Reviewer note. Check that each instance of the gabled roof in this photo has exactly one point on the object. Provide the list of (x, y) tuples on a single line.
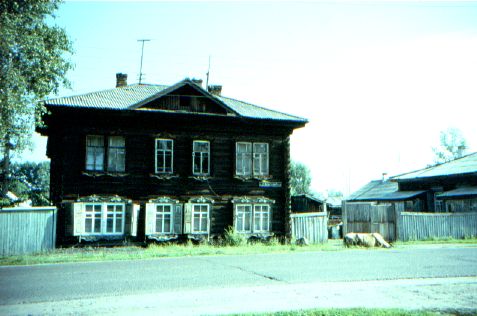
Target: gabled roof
[(132, 97), (460, 166), (373, 190), (378, 190)]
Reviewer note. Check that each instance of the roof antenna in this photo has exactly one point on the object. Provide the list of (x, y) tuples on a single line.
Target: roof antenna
[(207, 81), (142, 54)]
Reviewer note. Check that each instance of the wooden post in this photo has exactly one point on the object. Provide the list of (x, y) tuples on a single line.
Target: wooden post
[(286, 188)]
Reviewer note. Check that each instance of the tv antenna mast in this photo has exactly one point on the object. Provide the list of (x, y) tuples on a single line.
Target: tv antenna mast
[(207, 81), (142, 55)]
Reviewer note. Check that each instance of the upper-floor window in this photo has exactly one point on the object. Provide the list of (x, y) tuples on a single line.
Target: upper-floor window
[(251, 158), (164, 155), (95, 152), (201, 158), (260, 159), (116, 154)]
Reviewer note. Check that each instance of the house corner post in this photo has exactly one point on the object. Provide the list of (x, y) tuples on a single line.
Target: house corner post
[(287, 189)]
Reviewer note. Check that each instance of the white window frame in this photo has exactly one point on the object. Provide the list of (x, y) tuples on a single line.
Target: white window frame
[(201, 213), (258, 160), (103, 215), (240, 217), (261, 213), (200, 153), (253, 211), (252, 158), (171, 218), (241, 159), (164, 151), (116, 151), (95, 150)]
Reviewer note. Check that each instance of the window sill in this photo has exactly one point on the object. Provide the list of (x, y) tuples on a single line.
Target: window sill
[(164, 176), (102, 174), (201, 178)]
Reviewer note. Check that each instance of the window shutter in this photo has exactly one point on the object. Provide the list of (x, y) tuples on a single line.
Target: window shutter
[(78, 219), (134, 223), (150, 218), (235, 217), (69, 218), (187, 218), (177, 219), (130, 227)]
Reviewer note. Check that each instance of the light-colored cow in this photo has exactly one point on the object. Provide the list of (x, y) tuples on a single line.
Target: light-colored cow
[(365, 239)]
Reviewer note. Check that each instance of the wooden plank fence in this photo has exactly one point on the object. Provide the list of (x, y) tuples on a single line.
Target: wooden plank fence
[(370, 218), (27, 230), (312, 226), (421, 226), (393, 223)]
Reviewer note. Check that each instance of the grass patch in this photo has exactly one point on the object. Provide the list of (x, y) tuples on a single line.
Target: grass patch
[(64, 255), (366, 312), (438, 240)]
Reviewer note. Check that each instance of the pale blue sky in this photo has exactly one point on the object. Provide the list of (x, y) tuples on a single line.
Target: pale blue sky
[(377, 80)]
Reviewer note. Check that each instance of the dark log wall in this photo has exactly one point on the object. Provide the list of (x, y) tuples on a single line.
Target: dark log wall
[(69, 179)]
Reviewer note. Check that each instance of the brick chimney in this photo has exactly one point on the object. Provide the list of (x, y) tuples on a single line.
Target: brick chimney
[(215, 89), (197, 81), (121, 80)]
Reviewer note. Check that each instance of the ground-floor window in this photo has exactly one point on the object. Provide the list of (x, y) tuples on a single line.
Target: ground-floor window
[(252, 215), (261, 218), (164, 220), (200, 218), (104, 218)]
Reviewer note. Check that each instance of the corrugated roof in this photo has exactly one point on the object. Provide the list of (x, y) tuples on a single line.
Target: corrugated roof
[(464, 165), (374, 190), (400, 195), (132, 96), (463, 191), (378, 190)]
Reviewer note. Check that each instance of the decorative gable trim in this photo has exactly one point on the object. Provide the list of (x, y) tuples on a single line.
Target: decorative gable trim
[(185, 82)]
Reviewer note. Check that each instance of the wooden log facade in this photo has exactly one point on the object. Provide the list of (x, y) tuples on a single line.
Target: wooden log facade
[(181, 172)]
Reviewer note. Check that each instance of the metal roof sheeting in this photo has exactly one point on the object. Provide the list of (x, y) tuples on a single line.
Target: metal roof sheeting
[(373, 190), (463, 191), (132, 96), (464, 165)]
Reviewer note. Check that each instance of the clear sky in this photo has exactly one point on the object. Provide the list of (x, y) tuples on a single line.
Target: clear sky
[(377, 80)]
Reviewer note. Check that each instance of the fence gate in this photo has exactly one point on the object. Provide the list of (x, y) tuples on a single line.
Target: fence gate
[(370, 218)]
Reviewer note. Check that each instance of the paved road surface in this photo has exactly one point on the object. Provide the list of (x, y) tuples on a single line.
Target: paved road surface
[(409, 277)]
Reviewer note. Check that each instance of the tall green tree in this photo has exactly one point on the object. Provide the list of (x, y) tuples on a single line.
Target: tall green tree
[(452, 146), (300, 178), (33, 63)]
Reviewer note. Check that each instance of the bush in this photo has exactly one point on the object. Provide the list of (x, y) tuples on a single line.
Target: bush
[(232, 238)]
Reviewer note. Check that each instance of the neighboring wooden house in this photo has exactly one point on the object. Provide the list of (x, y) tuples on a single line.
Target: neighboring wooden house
[(448, 187), (153, 161), (305, 203), (308, 203), (438, 201), (387, 191)]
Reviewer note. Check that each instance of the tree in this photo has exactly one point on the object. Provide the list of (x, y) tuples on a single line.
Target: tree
[(452, 146), (31, 180), (32, 65), (300, 178)]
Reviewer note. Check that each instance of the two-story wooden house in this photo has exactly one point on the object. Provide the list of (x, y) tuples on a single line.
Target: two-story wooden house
[(152, 161)]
